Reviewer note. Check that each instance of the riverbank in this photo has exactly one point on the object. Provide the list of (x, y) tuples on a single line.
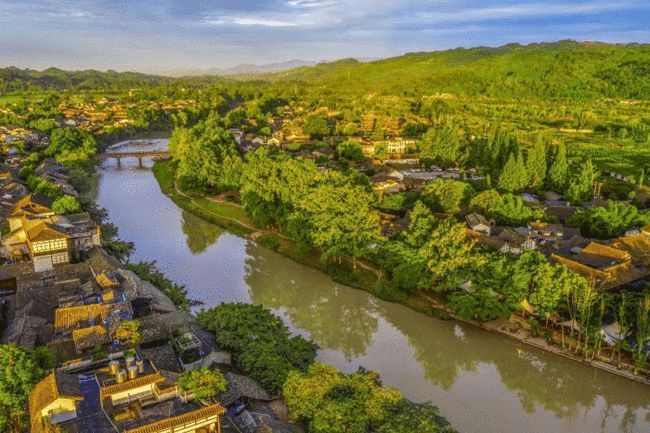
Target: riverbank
[(226, 215)]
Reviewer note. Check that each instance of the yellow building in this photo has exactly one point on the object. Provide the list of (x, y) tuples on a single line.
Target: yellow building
[(204, 420), (53, 401)]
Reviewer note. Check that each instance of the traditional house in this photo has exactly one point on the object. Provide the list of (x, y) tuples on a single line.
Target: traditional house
[(49, 240), (53, 401), (545, 231), (32, 206), (130, 396), (608, 266), (398, 146), (514, 242), (479, 223)]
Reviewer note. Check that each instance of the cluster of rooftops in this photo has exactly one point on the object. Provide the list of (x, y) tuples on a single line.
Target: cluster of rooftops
[(606, 265), (121, 395)]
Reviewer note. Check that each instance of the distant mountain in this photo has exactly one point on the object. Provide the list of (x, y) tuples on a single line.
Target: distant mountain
[(246, 68), (565, 69), (557, 70)]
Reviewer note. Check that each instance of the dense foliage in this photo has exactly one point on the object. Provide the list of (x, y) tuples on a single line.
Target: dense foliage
[(261, 343), (18, 375), (328, 401), (203, 383)]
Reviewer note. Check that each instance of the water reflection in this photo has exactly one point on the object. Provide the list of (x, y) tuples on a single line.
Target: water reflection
[(336, 317), (199, 234), (482, 382)]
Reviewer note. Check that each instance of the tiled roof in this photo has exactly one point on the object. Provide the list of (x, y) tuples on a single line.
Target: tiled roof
[(86, 338), (637, 246), (606, 251), (212, 411), (54, 386), (70, 317), (149, 379)]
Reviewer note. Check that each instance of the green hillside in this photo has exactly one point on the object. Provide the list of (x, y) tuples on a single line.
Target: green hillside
[(565, 69), (13, 79)]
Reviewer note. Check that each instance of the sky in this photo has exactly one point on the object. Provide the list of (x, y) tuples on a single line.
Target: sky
[(163, 35)]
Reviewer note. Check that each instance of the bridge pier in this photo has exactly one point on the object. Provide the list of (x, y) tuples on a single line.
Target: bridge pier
[(140, 162), (119, 162)]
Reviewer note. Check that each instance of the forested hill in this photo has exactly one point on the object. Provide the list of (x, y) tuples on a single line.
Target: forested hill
[(564, 69), (13, 79)]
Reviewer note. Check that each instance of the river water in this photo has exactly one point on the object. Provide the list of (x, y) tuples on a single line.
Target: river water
[(482, 382)]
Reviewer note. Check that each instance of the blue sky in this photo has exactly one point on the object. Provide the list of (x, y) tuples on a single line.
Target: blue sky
[(161, 35)]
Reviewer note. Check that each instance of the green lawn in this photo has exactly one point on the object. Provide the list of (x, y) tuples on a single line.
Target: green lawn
[(228, 210)]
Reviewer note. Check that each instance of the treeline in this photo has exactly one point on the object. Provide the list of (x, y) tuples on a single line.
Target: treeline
[(24, 80)]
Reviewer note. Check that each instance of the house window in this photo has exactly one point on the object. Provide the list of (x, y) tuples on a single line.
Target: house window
[(53, 245), (59, 258)]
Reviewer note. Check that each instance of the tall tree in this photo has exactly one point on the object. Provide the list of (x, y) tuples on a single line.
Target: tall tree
[(558, 174), (536, 163), (344, 224), (581, 185), (514, 177), (444, 145)]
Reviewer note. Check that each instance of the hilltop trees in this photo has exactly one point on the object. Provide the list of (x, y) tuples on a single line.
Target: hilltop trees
[(316, 126)]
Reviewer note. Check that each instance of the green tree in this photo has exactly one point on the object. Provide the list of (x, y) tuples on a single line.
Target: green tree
[(445, 145), (481, 304), (204, 383), (536, 163), (66, 205), (18, 376), (350, 128), (343, 222), (581, 185), (484, 201), (514, 177), (410, 417), (330, 402), (447, 195), (449, 255), (559, 172), (316, 127), (510, 210), (261, 343), (129, 332), (610, 221)]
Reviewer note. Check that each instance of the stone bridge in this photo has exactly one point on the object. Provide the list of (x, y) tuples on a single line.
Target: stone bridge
[(154, 154)]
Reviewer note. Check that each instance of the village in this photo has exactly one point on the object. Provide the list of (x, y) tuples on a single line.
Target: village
[(61, 290)]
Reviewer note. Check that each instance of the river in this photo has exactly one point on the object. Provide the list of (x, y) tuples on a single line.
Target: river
[(481, 382)]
